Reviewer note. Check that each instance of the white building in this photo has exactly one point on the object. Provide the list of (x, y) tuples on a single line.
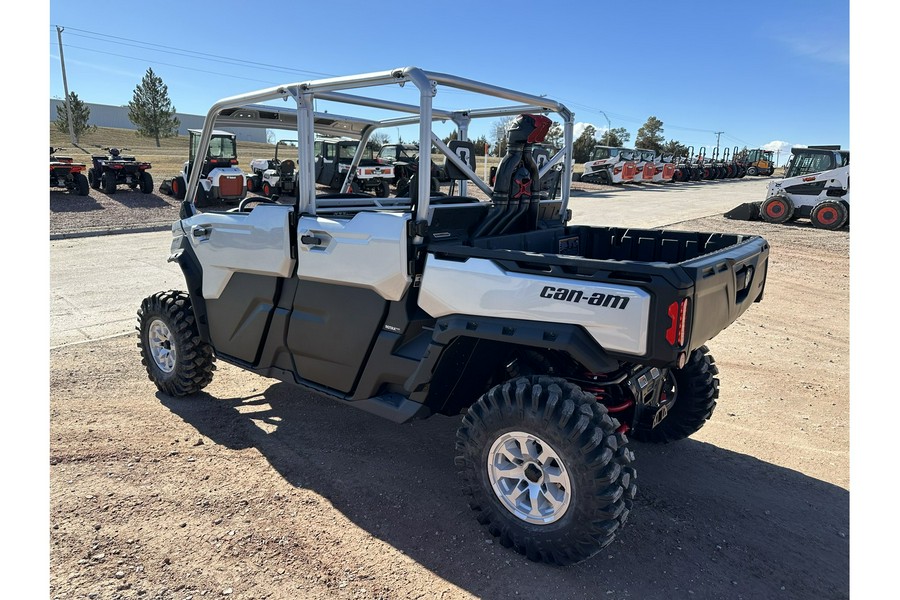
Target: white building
[(104, 115)]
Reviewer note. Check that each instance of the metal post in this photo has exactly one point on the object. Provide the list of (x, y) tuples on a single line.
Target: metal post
[(62, 62)]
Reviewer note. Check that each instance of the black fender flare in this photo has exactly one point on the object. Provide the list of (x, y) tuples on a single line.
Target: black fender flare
[(573, 339)]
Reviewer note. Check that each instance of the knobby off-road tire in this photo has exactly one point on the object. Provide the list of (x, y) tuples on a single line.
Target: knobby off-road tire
[(176, 359), (82, 185), (696, 389), (545, 470), (146, 183), (108, 182), (93, 180)]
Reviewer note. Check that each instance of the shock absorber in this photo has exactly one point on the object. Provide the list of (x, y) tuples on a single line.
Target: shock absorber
[(617, 407)]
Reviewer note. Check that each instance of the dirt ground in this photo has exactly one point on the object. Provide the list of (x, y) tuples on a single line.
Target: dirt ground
[(256, 489)]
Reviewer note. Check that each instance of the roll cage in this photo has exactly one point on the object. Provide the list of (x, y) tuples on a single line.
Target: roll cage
[(246, 110)]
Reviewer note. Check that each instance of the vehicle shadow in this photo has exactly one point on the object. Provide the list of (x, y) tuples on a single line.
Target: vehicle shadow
[(707, 522), (137, 199), (61, 201)]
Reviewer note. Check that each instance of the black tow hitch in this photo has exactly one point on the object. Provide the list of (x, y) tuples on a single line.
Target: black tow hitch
[(654, 395)]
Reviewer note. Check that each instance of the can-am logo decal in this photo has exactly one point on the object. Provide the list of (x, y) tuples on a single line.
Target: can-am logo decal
[(595, 299)]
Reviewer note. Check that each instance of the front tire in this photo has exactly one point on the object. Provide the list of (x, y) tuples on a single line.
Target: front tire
[(776, 209), (695, 388), (546, 471), (93, 180), (176, 359)]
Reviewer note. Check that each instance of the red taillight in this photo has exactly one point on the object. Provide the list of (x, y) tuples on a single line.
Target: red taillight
[(676, 333), (617, 170), (116, 166), (234, 161)]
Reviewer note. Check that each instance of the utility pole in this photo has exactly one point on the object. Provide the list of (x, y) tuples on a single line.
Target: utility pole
[(62, 62), (718, 133)]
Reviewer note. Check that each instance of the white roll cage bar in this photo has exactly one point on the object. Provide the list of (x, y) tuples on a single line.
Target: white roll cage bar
[(244, 110)]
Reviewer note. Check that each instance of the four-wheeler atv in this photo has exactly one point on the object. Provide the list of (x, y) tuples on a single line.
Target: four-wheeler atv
[(555, 342), (273, 177), (334, 158), (220, 181), (67, 174), (110, 170)]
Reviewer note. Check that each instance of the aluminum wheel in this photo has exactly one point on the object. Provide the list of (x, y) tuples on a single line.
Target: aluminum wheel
[(529, 478), (162, 348)]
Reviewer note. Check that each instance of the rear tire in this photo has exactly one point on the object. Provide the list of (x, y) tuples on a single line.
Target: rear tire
[(178, 362), (82, 185), (776, 209), (830, 214), (384, 190), (696, 389), (146, 183), (93, 180), (545, 469), (108, 182), (179, 188), (752, 171), (267, 190)]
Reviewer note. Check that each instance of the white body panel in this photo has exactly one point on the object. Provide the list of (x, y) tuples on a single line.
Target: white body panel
[(480, 287), (257, 242), (367, 251), (839, 177)]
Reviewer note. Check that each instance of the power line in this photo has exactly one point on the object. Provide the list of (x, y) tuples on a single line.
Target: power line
[(156, 62), (194, 53)]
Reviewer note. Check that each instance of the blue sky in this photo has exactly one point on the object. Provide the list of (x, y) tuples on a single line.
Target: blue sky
[(765, 74)]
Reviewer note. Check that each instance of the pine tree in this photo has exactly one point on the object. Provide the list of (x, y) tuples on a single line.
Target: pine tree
[(649, 136), (581, 148), (151, 110), (80, 116)]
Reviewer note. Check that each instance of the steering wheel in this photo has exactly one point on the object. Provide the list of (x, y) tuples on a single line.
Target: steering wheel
[(243, 204)]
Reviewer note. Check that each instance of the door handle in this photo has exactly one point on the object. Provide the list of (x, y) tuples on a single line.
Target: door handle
[(200, 231), (310, 240)]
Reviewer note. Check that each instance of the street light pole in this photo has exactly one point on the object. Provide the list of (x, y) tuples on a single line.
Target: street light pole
[(608, 127), (62, 62)]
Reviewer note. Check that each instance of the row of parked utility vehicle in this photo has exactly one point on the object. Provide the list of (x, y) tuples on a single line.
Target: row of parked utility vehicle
[(615, 165)]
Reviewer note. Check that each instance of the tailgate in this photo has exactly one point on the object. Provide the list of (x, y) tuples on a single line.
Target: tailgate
[(727, 282)]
